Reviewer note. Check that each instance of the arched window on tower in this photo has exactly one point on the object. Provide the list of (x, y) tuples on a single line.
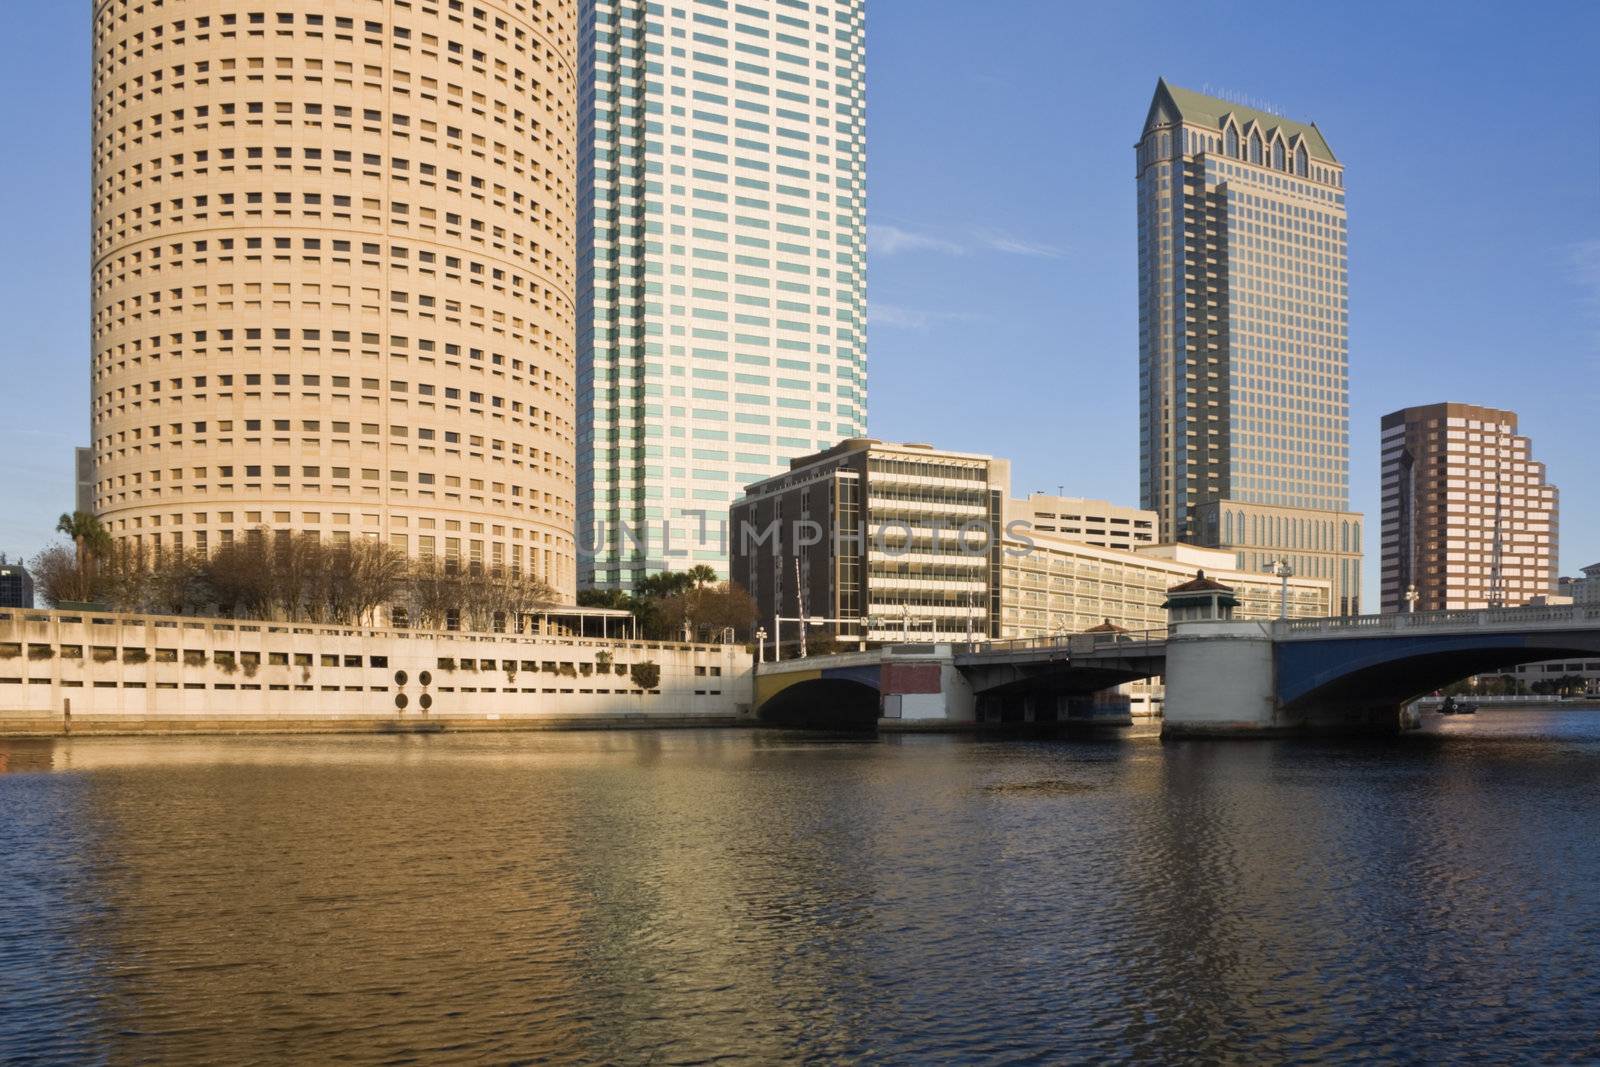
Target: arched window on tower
[(1301, 163), (1231, 140), (1277, 155), (1255, 148)]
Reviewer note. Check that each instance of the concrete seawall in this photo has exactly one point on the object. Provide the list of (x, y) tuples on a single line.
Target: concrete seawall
[(92, 673)]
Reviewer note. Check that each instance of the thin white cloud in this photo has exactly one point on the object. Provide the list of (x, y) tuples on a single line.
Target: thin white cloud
[(892, 240), (889, 240), (898, 317), (1016, 246)]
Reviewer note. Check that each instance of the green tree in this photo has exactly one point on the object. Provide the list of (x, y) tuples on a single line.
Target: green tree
[(90, 541), (664, 584), (646, 675)]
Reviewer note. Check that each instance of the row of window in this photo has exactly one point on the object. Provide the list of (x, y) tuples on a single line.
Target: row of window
[(121, 48)]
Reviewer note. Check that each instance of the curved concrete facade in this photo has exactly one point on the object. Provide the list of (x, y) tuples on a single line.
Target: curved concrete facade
[(333, 274)]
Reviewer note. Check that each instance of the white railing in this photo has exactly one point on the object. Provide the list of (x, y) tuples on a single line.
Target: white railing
[(1541, 616), (12, 617)]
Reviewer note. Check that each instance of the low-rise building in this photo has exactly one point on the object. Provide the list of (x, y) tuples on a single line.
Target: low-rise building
[(1584, 590), (16, 586), (893, 542), (897, 539), (1054, 587), (1093, 522), (104, 672), (1556, 672)]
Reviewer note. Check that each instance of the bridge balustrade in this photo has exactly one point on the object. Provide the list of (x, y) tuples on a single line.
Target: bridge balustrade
[(1061, 641), (1566, 614)]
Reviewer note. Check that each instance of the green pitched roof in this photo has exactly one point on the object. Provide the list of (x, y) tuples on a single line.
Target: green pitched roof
[(1209, 110)]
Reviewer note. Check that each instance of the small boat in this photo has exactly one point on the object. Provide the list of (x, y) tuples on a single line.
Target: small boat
[(1452, 706)]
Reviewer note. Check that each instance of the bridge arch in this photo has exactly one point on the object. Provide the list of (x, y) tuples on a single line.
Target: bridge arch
[(1384, 672), (829, 699)]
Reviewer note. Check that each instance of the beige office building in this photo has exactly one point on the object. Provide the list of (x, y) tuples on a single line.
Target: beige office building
[(1093, 522), (1584, 591), (1244, 326), (1052, 587), (333, 274), (1468, 518)]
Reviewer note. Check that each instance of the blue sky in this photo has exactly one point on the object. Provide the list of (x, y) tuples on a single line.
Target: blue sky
[(1001, 284)]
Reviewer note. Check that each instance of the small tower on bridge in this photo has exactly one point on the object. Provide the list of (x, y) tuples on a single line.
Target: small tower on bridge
[(1200, 599)]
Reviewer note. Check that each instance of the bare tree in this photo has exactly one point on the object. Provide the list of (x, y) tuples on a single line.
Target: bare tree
[(376, 572), (237, 575), (58, 578), (178, 584), (280, 574)]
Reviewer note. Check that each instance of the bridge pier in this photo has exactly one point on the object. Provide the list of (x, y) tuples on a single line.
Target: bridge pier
[(925, 691), (1221, 681)]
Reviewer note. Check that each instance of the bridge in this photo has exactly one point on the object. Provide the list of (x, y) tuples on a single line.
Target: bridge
[(1222, 677), (1066, 679), (1355, 673)]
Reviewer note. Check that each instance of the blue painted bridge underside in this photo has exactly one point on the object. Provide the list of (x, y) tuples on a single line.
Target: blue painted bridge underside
[(866, 674), (1402, 666)]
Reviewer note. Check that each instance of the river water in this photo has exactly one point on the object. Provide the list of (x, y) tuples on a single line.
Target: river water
[(759, 896)]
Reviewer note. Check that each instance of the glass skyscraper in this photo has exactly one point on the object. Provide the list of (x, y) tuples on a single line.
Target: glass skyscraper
[(1244, 338), (722, 264)]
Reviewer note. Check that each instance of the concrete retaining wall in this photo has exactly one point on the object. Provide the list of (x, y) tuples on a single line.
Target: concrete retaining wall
[(140, 674)]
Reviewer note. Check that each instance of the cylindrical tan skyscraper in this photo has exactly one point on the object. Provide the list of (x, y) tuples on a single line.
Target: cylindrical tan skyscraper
[(333, 274)]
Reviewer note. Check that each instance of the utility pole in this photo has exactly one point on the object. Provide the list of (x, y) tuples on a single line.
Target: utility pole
[(800, 604)]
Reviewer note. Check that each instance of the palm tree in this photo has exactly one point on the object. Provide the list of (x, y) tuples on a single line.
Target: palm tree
[(89, 537), (701, 575)]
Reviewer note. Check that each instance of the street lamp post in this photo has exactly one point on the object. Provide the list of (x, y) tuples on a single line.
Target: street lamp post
[(761, 644), (1284, 572)]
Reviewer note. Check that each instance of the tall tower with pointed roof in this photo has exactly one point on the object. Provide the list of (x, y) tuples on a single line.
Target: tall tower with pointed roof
[(1244, 418)]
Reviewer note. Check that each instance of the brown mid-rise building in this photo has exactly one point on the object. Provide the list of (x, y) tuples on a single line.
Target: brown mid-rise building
[(333, 275), (1468, 518)]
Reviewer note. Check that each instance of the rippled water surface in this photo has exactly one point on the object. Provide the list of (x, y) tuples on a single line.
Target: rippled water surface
[(756, 897)]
